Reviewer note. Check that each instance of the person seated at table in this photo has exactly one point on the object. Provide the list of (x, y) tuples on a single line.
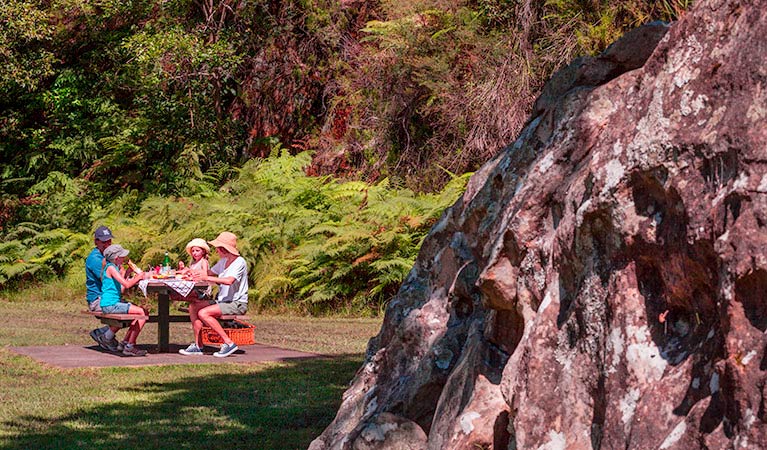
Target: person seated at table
[(102, 238), (230, 273), (198, 250), (111, 296)]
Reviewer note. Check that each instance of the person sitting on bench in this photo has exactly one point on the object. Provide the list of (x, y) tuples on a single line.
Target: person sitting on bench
[(198, 252), (231, 275), (102, 238), (112, 285)]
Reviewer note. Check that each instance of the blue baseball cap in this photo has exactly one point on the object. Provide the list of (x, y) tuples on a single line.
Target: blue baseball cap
[(103, 234)]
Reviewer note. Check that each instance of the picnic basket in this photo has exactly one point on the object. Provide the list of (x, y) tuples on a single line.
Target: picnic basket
[(241, 332)]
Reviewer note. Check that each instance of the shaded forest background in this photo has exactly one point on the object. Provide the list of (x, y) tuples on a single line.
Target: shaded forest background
[(329, 135)]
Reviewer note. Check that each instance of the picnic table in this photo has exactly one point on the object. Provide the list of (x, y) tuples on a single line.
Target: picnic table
[(163, 288), (163, 318)]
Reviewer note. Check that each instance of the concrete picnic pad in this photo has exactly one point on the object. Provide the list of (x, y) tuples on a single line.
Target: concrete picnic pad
[(72, 356)]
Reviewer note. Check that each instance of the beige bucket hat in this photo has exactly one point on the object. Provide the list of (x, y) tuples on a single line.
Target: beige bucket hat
[(228, 241), (197, 242)]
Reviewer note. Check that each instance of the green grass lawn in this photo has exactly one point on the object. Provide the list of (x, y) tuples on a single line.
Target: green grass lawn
[(223, 406)]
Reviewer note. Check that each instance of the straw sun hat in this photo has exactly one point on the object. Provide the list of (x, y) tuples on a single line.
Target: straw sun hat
[(197, 242), (228, 241)]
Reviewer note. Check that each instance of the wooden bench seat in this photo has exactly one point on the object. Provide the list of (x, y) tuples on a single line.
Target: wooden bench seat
[(185, 310), (116, 320), (124, 320), (233, 317), (120, 317), (152, 319)]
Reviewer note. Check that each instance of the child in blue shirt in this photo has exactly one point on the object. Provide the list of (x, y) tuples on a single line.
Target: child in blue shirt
[(102, 238), (112, 285)]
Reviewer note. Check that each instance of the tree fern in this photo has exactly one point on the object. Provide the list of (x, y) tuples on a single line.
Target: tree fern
[(313, 243), (389, 274), (32, 255)]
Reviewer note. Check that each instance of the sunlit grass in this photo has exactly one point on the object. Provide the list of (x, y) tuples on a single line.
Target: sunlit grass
[(70, 287), (232, 405), (263, 406)]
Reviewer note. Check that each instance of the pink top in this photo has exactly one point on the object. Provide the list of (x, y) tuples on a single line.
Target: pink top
[(201, 267)]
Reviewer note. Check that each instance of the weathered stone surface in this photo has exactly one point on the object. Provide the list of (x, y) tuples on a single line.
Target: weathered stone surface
[(387, 431), (603, 281)]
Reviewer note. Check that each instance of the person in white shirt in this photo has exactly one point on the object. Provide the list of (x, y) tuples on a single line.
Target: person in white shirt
[(231, 275)]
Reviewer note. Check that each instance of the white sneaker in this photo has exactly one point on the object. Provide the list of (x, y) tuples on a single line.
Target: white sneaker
[(226, 350), (192, 350)]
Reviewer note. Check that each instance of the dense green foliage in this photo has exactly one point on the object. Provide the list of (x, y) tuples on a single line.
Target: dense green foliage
[(446, 84), (312, 243), (110, 106)]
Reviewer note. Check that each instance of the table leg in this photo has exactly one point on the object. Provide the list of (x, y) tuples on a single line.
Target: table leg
[(163, 320)]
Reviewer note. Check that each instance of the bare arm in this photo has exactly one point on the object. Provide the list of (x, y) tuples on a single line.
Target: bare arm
[(212, 278), (129, 283)]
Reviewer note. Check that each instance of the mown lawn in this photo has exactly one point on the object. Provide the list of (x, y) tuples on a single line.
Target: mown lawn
[(223, 406)]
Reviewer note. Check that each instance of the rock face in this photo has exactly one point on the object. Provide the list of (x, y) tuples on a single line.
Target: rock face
[(603, 281)]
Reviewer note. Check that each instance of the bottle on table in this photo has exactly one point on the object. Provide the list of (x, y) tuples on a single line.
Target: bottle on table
[(166, 264)]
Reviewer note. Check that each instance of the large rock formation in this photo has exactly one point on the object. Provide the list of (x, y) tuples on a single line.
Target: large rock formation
[(603, 281)]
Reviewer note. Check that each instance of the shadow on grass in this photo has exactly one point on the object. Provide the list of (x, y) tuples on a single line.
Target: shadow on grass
[(282, 407)]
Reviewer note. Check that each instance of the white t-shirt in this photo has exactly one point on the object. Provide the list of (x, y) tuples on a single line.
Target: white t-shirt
[(237, 291)]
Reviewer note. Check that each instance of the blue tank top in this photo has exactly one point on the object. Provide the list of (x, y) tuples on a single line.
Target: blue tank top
[(110, 288)]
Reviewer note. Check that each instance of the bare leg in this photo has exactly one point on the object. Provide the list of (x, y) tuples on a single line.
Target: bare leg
[(194, 308), (136, 325), (209, 316)]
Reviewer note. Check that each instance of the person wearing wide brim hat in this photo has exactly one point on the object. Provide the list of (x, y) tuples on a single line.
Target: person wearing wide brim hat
[(198, 250), (226, 240), (230, 273), (197, 242)]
